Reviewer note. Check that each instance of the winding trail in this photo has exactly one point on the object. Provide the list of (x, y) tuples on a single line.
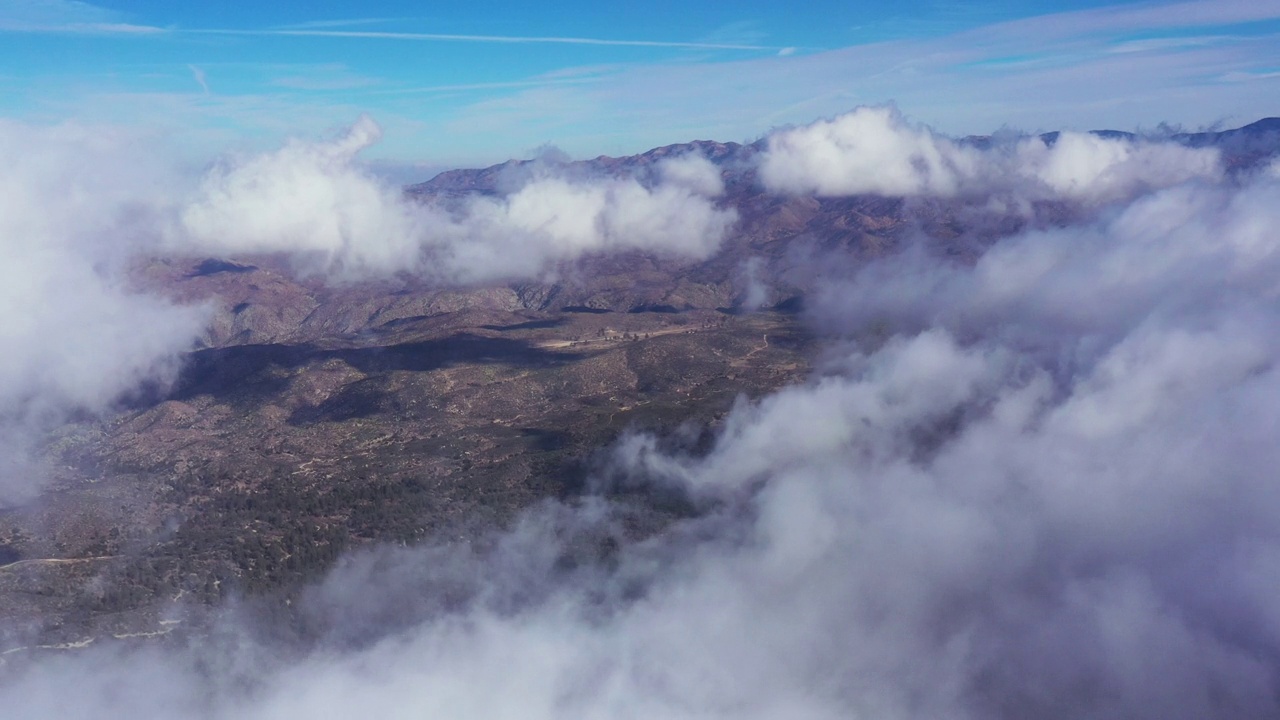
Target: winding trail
[(765, 346)]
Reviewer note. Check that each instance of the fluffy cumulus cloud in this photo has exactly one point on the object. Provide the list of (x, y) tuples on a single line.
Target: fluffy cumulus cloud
[(313, 201), (307, 198), (868, 151), (552, 219), (693, 172), (1039, 485), (1082, 166), (73, 207), (874, 151)]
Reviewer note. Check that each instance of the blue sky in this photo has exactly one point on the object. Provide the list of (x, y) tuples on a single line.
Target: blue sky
[(477, 82)]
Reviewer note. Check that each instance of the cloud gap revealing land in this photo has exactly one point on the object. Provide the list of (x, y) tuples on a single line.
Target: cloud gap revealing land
[(857, 419)]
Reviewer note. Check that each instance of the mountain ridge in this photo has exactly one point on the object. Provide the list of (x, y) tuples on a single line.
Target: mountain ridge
[(1245, 144)]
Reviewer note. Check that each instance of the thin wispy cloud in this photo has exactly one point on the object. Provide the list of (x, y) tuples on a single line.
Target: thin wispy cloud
[(17, 26), (1247, 76), (1122, 66), (500, 39), (1166, 43), (67, 17), (301, 82), (200, 78), (53, 11), (507, 85), (1145, 17), (964, 83), (349, 22), (336, 76), (325, 29)]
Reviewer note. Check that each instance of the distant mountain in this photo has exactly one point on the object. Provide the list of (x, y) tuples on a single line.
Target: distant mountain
[(732, 157), (777, 232), (1241, 147)]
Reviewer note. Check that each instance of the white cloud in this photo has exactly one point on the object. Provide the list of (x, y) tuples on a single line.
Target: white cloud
[(489, 39), (1182, 249), (1146, 16), (308, 198), (694, 172), (75, 337), (201, 79), (872, 150), (552, 219), (868, 151), (66, 17), (312, 200), (1089, 167), (53, 11)]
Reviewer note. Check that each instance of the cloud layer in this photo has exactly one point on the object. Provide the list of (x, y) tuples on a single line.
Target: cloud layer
[(1038, 485)]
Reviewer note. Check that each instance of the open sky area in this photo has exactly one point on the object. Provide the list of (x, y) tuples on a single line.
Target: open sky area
[(483, 81)]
